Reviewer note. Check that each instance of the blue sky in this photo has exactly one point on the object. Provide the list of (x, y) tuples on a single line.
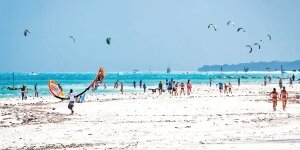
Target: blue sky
[(144, 34)]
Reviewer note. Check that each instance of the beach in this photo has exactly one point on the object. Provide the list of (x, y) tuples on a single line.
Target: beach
[(205, 119)]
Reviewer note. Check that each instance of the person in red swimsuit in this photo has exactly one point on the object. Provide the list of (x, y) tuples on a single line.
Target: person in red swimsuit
[(274, 96), (283, 97)]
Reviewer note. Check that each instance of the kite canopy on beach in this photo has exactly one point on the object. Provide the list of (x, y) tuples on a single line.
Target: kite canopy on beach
[(57, 91)]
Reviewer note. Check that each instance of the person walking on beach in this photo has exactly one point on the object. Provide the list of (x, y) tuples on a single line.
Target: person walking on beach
[(160, 87), (116, 85), (175, 89), (167, 82), (210, 80), (239, 81), (182, 88), (291, 82), (274, 96), (170, 87), (220, 84), (265, 80), (144, 87), (225, 88), (72, 101), (283, 97), (230, 88), (280, 83), (189, 87), (23, 92), (141, 83), (36, 93), (134, 84), (121, 89)]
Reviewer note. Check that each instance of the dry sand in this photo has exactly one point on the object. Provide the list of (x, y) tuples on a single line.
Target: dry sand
[(203, 120)]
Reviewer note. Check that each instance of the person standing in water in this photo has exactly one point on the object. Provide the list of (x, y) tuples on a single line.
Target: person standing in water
[(116, 85), (239, 81), (274, 96), (72, 101), (141, 83), (210, 80), (144, 87), (283, 96), (121, 89), (36, 93), (134, 84)]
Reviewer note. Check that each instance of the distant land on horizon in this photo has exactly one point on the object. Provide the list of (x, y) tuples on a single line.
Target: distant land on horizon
[(255, 66)]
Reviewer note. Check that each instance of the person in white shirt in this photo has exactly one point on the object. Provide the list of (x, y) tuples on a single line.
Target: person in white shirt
[(72, 101)]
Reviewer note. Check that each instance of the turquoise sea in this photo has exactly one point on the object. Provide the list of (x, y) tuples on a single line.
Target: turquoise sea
[(79, 81)]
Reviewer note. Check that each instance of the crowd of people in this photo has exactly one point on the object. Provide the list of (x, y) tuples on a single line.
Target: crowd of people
[(175, 88), (25, 90)]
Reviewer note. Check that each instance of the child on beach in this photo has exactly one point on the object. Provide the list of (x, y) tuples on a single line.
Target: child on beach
[(72, 101), (283, 97), (274, 96)]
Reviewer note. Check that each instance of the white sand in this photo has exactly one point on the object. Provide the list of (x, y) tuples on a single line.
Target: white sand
[(203, 120)]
